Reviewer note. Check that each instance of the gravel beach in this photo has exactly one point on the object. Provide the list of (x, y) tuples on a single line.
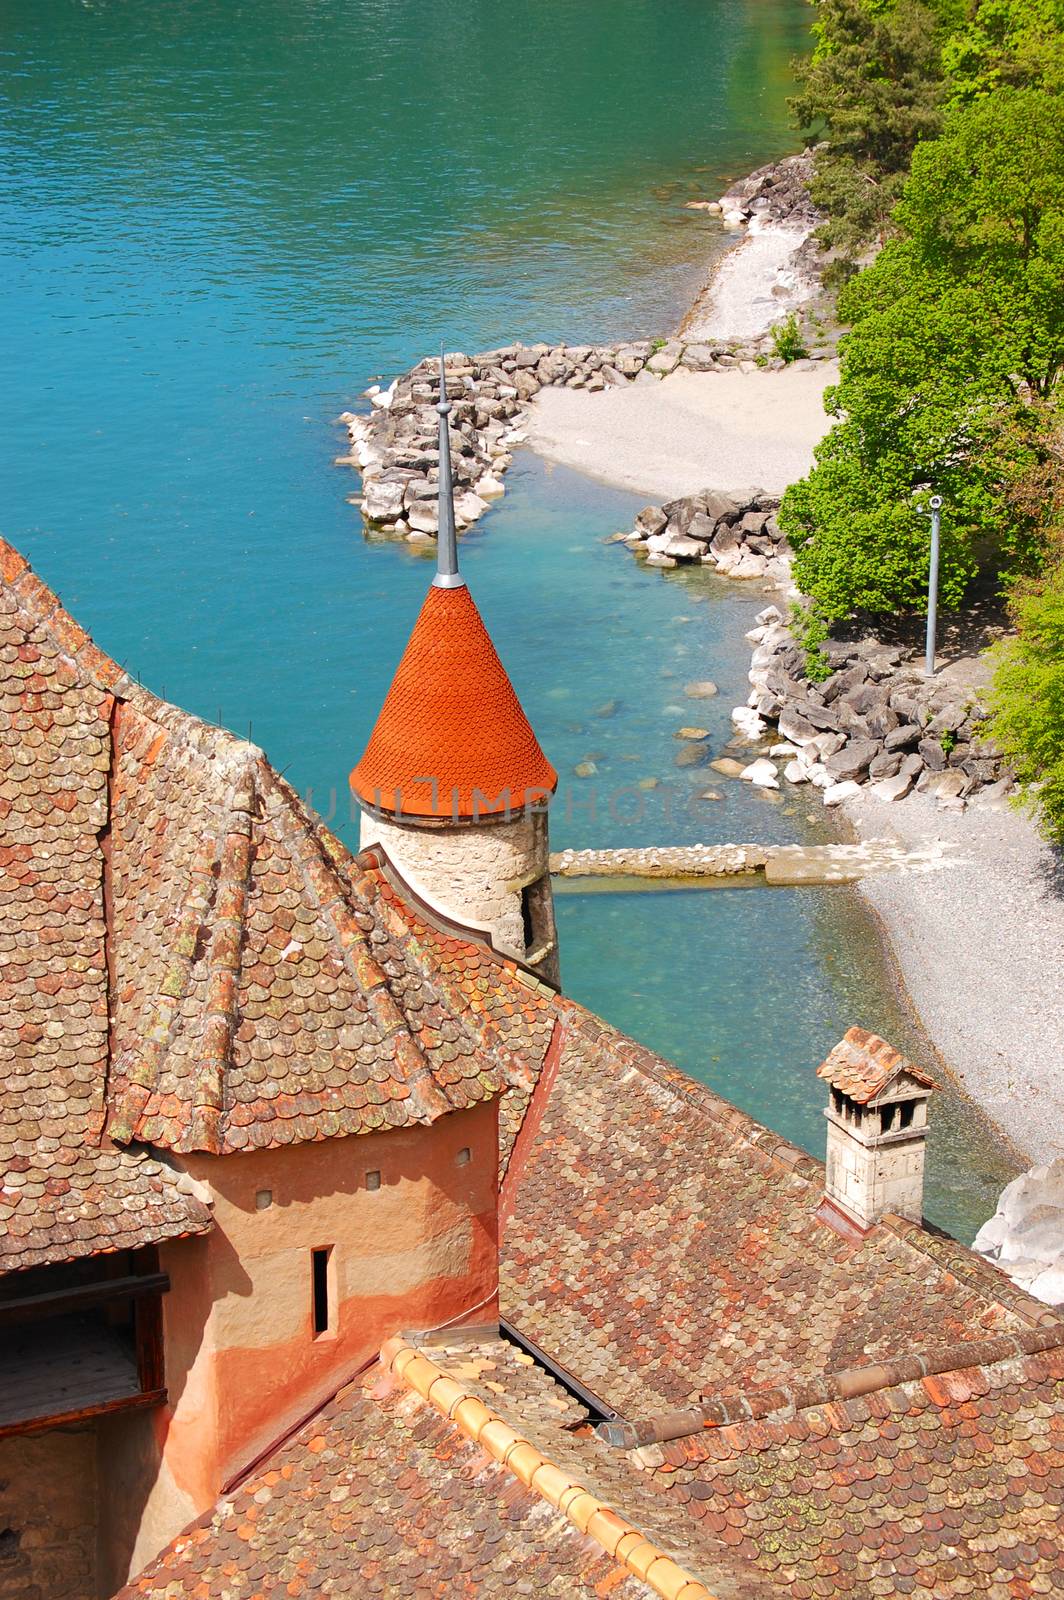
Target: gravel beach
[(980, 945), (733, 431), (755, 284)]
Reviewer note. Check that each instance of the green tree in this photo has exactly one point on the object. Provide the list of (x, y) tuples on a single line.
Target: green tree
[(1027, 703), (873, 87), (1006, 43), (950, 376)]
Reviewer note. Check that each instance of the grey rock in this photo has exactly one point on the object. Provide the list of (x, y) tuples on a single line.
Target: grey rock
[(629, 359), (999, 790), (826, 718), (651, 520), (681, 513), (701, 527), (692, 755), (717, 504), (382, 502), (794, 727), (933, 754), (948, 720), (843, 683), (667, 359), (867, 697), (853, 760), (886, 765), (895, 788), (725, 541), (698, 357), (903, 736)]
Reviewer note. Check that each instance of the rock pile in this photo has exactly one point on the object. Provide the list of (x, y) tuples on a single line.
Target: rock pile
[(778, 193), (394, 444), (739, 538), (1025, 1236), (875, 720)]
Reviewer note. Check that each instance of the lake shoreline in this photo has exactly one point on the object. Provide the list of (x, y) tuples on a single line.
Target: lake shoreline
[(588, 407)]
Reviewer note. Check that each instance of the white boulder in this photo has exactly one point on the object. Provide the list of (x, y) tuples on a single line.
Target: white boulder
[(762, 774)]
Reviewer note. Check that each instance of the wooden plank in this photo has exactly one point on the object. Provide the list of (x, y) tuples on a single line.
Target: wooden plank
[(148, 1332), (135, 1402), (64, 1365), (57, 1302)]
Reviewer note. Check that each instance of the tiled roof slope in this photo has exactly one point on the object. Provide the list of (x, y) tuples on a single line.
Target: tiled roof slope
[(511, 1012), (505, 1379), (451, 739), (381, 1495), (862, 1064), (952, 1485), (65, 1191), (663, 1247), (187, 956)]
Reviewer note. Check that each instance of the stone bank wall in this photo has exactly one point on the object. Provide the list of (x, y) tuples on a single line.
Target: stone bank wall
[(48, 1516)]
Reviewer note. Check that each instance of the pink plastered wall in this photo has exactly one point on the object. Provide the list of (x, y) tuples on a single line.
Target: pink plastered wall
[(416, 1248)]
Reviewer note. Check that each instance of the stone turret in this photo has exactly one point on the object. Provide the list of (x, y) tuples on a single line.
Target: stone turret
[(453, 784), (877, 1128)]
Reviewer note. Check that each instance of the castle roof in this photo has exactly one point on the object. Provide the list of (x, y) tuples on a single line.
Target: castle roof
[(188, 959), (862, 1065), (451, 740)]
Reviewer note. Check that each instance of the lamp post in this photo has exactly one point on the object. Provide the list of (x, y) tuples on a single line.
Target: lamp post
[(932, 586)]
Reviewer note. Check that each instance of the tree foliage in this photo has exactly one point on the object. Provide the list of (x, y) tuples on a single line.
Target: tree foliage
[(1027, 704), (950, 374), (872, 88), (882, 73), (1006, 44)]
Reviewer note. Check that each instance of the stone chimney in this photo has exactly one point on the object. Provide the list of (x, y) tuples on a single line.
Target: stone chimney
[(877, 1126)]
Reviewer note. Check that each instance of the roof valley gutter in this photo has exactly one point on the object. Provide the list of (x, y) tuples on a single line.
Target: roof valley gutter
[(599, 1410)]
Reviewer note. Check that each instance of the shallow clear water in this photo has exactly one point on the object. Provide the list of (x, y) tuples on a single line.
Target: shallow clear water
[(220, 222)]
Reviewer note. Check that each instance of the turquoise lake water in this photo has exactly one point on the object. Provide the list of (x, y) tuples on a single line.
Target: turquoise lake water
[(221, 221)]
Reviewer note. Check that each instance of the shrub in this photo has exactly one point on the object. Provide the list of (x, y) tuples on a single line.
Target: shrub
[(787, 339), (810, 633), (1027, 703)]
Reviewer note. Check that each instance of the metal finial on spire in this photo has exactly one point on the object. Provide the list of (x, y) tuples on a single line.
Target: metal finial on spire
[(447, 573)]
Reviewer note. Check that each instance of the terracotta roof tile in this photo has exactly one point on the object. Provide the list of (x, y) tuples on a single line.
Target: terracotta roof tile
[(65, 1190), (926, 1493), (862, 1064), (190, 960), (381, 1495), (664, 1247), (451, 739)]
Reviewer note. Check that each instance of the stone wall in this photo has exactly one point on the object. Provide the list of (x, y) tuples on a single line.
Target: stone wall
[(48, 1515), (476, 874)]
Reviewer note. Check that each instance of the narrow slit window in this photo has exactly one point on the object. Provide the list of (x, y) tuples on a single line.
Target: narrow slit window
[(527, 925), (319, 1260)]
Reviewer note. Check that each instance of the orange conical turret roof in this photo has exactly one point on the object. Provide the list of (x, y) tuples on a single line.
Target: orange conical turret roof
[(451, 740)]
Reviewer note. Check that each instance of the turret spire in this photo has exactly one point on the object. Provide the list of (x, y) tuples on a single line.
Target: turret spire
[(447, 573)]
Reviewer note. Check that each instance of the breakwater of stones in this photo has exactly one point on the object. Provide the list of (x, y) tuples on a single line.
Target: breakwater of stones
[(780, 864), (394, 443), (867, 717), (737, 538)]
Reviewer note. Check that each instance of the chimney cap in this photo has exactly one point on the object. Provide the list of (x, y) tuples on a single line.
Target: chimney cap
[(862, 1066)]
